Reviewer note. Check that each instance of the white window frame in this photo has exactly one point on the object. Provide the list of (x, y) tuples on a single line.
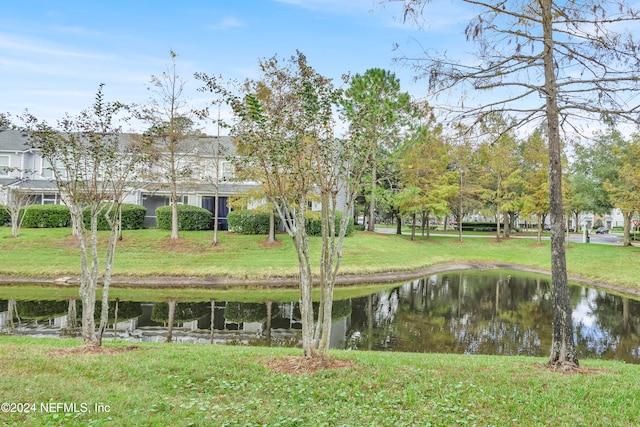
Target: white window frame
[(50, 199), (5, 169), (46, 170)]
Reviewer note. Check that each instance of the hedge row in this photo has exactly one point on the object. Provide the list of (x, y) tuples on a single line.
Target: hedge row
[(47, 216), (190, 218), (53, 216), (5, 218), (480, 226), (313, 223), (245, 221), (132, 217)]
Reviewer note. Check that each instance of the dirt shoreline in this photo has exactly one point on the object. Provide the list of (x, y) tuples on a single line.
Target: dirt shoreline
[(215, 282)]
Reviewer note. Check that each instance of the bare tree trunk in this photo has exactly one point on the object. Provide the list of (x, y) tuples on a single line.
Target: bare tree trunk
[(460, 206), (109, 259), (301, 243), (413, 227), (215, 218), (115, 320), (72, 315), (12, 312), (15, 231), (272, 227), (89, 277), (372, 202), (269, 305), (174, 219), (539, 231), (172, 312), (628, 216), (213, 311), (563, 351), (370, 322)]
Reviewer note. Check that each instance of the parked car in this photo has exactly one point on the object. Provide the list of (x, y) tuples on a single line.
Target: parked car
[(602, 230)]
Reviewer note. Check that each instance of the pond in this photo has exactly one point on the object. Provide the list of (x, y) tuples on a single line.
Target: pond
[(470, 312)]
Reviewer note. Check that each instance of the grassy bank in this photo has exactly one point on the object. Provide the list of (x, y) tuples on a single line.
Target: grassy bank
[(169, 384), (54, 253)]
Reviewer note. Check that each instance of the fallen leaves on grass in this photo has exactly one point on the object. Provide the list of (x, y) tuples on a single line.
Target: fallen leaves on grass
[(571, 369), (300, 365), (267, 245), (92, 349)]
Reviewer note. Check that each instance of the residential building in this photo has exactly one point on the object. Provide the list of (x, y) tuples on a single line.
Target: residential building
[(23, 167)]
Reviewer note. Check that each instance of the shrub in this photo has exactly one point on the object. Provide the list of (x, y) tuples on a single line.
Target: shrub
[(5, 218), (245, 221), (132, 217), (184, 311), (47, 216), (480, 226), (239, 312), (190, 218), (314, 225)]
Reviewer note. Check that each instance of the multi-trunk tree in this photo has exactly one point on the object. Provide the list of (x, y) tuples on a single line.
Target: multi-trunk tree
[(95, 164), (17, 205), (285, 127), (566, 64)]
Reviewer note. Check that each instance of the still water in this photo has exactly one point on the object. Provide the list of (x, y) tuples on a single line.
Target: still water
[(498, 313)]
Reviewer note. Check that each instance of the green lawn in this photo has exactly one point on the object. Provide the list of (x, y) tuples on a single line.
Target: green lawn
[(54, 253), (184, 385)]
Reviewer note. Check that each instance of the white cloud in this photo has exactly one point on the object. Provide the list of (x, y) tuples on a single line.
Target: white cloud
[(24, 45), (227, 23)]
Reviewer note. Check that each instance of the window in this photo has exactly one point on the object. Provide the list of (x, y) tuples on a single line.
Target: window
[(49, 199), (227, 170), (47, 170), (4, 165)]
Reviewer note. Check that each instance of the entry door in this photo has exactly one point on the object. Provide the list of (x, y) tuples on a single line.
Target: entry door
[(223, 210)]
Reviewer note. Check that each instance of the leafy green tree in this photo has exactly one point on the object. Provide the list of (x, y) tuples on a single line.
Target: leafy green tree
[(624, 186), (593, 165), (467, 163), (426, 177), (502, 175), (375, 109), (536, 181)]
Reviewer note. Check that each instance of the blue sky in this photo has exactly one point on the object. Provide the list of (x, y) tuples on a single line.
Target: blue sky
[(53, 54)]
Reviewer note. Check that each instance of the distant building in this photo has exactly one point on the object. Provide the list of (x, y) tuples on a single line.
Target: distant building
[(24, 168)]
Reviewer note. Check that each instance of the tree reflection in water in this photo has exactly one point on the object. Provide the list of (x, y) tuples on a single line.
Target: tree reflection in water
[(501, 313), (490, 312)]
